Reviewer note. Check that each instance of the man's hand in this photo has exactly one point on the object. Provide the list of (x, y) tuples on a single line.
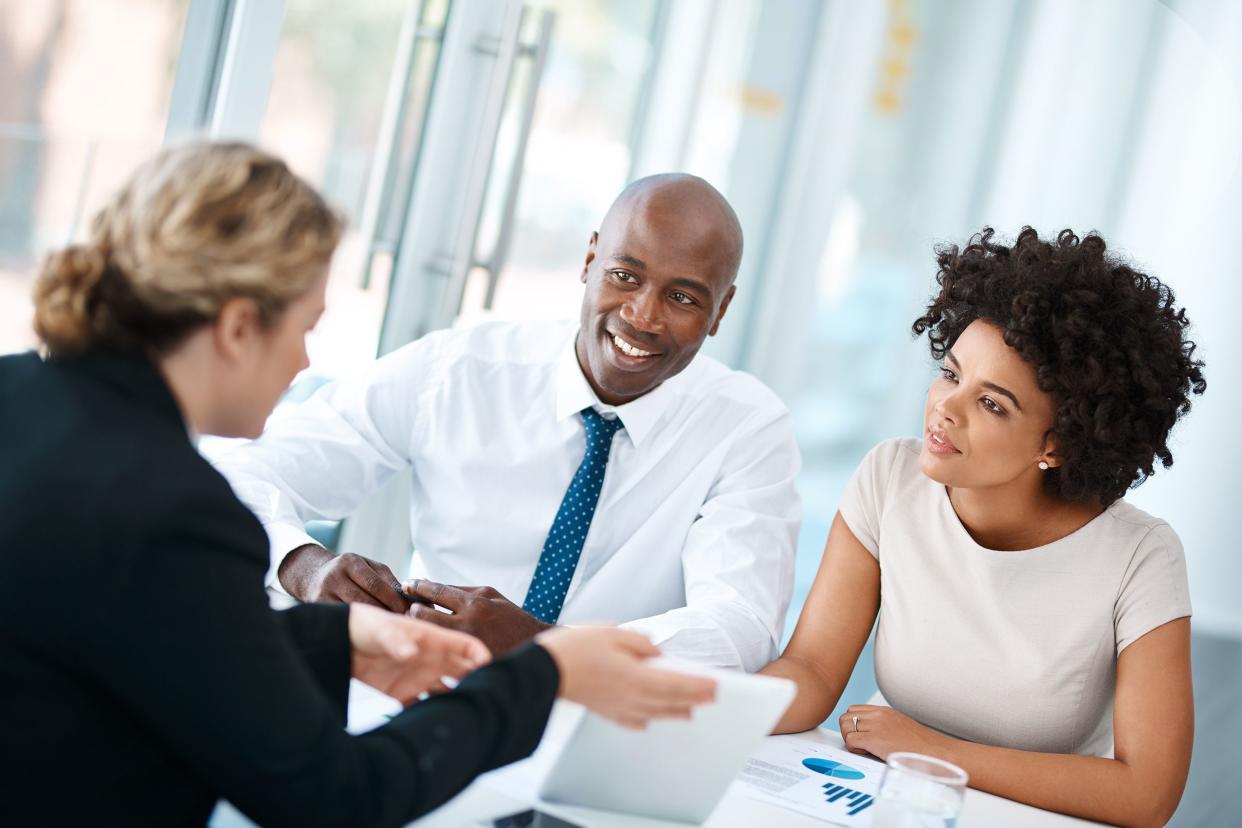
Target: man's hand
[(480, 611), (404, 657), (312, 573)]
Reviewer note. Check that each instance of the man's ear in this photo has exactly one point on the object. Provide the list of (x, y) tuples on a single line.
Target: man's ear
[(724, 306), (236, 327), (590, 256)]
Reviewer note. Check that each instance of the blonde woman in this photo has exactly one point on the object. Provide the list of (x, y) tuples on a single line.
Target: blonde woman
[(144, 674)]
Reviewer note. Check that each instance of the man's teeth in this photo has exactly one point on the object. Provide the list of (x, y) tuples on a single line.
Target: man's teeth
[(627, 348)]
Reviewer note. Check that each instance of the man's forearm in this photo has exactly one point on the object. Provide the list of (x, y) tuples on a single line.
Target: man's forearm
[(300, 566)]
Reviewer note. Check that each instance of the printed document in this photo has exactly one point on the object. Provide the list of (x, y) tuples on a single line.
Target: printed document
[(813, 778)]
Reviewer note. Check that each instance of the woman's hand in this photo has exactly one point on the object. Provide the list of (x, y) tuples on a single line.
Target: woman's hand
[(403, 657), (879, 731), (602, 668)]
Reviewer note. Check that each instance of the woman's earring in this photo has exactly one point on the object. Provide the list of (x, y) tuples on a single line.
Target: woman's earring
[(1043, 465)]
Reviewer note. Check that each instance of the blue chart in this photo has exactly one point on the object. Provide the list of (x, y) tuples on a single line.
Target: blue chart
[(836, 770), (856, 801)]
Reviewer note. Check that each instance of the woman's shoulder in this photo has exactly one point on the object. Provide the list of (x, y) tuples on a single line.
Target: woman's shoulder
[(888, 475), (1148, 565), (182, 495), (169, 503), (893, 461), (899, 448), (1123, 512), (129, 455), (1133, 531), (18, 367)]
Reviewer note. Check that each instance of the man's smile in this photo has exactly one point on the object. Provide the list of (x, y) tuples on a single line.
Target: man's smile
[(630, 349), (624, 355)]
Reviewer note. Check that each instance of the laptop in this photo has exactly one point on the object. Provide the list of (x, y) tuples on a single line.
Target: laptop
[(675, 769)]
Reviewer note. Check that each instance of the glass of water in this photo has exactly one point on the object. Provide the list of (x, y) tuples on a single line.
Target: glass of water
[(919, 791)]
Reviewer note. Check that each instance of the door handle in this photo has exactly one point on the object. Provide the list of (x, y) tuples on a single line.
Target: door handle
[(505, 49), (379, 191), (538, 53)]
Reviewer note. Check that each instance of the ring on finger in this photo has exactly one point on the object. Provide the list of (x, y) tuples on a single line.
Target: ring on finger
[(855, 718)]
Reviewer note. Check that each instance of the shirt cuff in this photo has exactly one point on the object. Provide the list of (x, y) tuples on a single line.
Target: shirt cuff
[(283, 539), (694, 637)]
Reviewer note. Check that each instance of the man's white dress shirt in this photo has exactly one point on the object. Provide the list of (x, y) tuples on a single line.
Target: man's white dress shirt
[(693, 537)]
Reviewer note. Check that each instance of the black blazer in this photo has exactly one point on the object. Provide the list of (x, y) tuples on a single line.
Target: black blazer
[(142, 673)]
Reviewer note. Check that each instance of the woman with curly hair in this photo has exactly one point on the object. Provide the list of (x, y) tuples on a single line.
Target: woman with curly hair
[(1033, 627)]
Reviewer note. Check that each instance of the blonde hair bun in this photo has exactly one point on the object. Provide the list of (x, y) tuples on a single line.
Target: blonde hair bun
[(63, 295), (192, 228)]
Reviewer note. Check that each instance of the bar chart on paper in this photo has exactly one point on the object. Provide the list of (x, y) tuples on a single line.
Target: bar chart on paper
[(814, 778), (855, 801)]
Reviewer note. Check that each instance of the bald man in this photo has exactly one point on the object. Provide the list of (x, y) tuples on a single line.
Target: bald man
[(597, 472)]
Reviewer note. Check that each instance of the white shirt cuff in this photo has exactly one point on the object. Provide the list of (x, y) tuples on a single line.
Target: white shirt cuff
[(283, 539)]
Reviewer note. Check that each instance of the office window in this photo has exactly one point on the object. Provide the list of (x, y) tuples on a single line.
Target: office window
[(326, 116), (86, 93), (577, 159)]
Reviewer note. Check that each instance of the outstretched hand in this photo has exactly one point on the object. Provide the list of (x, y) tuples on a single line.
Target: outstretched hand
[(479, 611), (403, 657), (604, 669)]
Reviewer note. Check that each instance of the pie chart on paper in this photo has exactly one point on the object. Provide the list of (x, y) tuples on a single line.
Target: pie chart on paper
[(835, 770)]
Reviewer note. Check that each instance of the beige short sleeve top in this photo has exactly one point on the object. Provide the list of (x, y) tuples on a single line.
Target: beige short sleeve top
[(1014, 649)]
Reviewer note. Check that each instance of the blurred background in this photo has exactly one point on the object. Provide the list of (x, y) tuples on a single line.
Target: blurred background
[(475, 144)]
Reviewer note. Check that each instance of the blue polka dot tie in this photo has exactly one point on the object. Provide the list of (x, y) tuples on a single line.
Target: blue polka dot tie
[(569, 530)]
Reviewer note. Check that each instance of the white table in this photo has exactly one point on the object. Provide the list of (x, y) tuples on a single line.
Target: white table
[(512, 788)]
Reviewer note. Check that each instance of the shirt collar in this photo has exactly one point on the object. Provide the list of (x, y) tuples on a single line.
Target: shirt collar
[(640, 416)]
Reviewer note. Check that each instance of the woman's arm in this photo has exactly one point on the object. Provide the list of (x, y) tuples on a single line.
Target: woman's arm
[(1153, 729), (190, 648), (832, 629)]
